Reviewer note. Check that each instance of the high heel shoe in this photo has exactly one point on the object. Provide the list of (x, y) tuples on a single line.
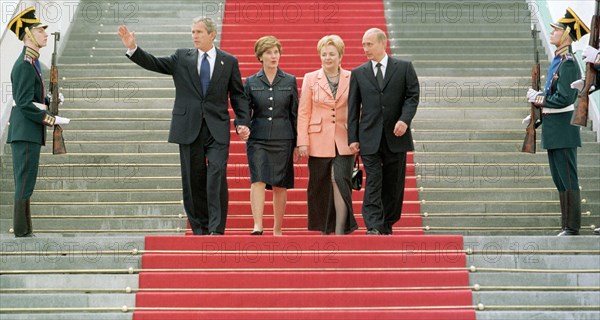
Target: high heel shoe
[(256, 233)]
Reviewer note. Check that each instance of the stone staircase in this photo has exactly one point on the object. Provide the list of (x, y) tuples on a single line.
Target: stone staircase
[(474, 70), (121, 181)]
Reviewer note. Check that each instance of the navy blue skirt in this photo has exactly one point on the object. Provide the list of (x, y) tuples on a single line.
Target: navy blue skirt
[(271, 162)]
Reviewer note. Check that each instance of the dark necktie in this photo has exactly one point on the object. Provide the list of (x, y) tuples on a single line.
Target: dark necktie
[(204, 73), (379, 76)]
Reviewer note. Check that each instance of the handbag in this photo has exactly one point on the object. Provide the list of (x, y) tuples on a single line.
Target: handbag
[(356, 174)]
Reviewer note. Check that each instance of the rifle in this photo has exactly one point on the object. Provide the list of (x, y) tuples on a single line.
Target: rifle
[(58, 142), (536, 119), (580, 116)]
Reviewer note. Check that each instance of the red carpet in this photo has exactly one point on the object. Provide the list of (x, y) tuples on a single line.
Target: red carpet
[(302, 275)]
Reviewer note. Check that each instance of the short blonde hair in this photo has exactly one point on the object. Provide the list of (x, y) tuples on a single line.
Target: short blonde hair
[(265, 43), (334, 40)]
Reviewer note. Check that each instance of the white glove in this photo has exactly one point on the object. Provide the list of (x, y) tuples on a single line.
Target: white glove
[(578, 84), (61, 98), (61, 120), (526, 120), (589, 54), (532, 94)]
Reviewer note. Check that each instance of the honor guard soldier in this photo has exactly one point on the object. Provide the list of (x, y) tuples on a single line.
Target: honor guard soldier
[(29, 116), (559, 137)]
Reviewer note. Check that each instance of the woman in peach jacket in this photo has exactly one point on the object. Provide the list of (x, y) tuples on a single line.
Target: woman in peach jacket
[(323, 137)]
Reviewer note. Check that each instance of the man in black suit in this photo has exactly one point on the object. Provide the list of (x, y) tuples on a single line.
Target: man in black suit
[(204, 78), (382, 101)]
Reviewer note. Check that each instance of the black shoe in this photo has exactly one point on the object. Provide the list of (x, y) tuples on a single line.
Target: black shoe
[(215, 233), (568, 232), (373, 232), (597, 231), (27, 235), (256, 233)]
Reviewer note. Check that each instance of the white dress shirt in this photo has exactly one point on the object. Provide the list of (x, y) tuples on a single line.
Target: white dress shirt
[(212, 57), (384, 63)]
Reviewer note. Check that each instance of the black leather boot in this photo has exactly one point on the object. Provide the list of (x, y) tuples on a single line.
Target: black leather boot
[(573, 214), (21, 223)]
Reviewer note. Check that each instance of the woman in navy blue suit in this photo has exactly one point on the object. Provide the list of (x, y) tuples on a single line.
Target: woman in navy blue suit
[(273, 96)]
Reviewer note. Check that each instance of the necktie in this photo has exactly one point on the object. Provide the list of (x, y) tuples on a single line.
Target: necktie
[(379, 76), (204, 73)]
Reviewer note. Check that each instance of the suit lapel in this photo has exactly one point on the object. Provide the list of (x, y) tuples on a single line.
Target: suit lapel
[(218, 70), (392, 67), (344, 83), (368, 71), (192, 61), (323, 84)]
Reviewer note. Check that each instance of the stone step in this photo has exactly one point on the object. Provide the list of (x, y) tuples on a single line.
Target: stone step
[(97, 261), (474, 135), (505, 221), (538, 298), (483, 146), (67, 300), (491, 279), (539, 314), (545, 262), (114, 315), (105, 225), (92, 245), (518, 158), (69, 281), (476, 206)]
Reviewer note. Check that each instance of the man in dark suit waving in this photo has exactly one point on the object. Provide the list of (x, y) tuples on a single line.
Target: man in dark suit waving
[(205, 77), (382, 101)]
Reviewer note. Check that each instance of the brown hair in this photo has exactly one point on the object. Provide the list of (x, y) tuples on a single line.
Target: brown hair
[(265, 43)]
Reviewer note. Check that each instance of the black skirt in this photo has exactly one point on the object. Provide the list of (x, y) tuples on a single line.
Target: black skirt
[(271, 162)]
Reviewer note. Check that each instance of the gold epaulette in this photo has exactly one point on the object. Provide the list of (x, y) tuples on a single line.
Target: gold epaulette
[(30, 55), (568, 56)]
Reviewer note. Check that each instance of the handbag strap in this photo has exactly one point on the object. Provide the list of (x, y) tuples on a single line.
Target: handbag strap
[(357, 161)]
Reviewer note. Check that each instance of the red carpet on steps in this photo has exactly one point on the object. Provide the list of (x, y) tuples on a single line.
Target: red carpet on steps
[(302, 275)]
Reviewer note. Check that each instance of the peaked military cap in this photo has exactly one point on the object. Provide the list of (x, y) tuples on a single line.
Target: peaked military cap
[(572, 24), (25, 20)]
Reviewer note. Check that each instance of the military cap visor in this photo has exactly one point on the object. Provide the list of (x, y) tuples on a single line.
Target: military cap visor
[(25, 20), (571, 22)]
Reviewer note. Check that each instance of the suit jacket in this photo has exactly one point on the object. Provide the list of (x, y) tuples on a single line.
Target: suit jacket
[(27, 122), (373, 111), (322, 120), (190, 105), (274, 106)]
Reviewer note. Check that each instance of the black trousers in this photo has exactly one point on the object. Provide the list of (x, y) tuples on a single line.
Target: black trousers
[(563, 167), (384, 190), (204, 182), (26, 161)]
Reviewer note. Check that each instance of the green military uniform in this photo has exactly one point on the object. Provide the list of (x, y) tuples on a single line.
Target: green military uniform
[(28, 122), (559, 137)]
